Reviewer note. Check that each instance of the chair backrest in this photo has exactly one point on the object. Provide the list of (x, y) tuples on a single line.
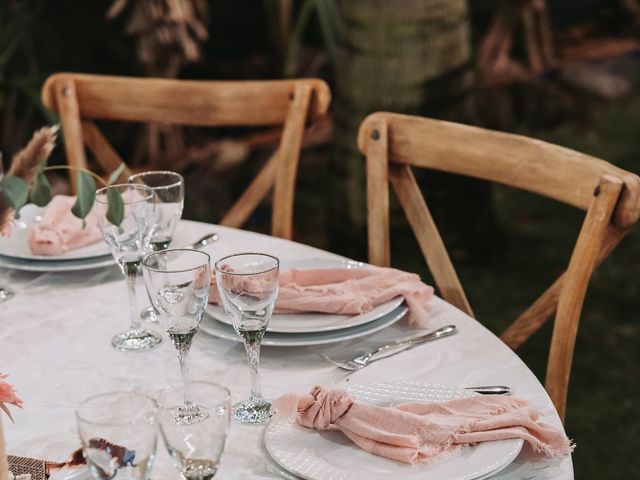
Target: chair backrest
[(80, 99), (610, 196)]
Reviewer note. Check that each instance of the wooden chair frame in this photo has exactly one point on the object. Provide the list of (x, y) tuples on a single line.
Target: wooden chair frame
[(610, 196), (80, 99)]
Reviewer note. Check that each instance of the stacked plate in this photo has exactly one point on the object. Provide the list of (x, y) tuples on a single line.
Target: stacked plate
[(291, 330), (15, 253), (299, 452)]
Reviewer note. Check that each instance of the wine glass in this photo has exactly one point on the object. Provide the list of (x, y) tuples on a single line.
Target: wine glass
[(5, 292), (128, 243), (178, 283), (248, 286), (168, 195), (195, 446), (119, 435)]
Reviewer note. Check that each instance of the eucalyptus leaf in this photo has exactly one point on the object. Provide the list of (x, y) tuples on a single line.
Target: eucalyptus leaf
[(115, 174), (15, 191), (86, 194), (115, 210), (41, 190)]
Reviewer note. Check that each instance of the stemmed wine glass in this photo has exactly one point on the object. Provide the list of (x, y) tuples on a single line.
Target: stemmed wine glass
[(168, 195), (119, 435), (248, 287), (128, 243), (178, 283), (196, 447), (5, 292)]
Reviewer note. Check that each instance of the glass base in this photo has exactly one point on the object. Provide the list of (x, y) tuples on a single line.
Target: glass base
[(254, 411), (149, 315), (136, 340), (6, 294)]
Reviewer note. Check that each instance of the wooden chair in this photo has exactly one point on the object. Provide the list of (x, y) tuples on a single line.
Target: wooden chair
[(393, 144), (80, 99)]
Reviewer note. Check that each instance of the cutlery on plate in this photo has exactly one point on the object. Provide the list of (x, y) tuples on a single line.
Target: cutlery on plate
[(204, 241), (391, 349)]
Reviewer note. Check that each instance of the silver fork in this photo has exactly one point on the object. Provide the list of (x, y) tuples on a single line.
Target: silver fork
[(391, 349)]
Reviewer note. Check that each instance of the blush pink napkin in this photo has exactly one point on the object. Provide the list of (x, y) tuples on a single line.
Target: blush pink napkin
[(424, 432), (61, 231), (348, 291)]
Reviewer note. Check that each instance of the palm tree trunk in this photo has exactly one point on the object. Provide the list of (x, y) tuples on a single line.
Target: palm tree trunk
[(409, 56)]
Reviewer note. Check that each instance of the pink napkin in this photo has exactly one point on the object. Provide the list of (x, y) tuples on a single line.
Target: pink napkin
[(348, 291), (61, 231), (424, 432)]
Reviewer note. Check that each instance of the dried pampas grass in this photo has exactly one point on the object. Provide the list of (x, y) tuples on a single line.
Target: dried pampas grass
[(25, 165)]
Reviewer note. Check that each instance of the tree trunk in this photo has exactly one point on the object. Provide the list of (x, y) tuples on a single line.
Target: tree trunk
[(408, 56)]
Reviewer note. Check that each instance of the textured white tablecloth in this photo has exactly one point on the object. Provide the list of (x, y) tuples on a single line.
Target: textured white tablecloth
[(55, 344)]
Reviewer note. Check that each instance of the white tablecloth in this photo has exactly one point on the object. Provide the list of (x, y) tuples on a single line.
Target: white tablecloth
[(55, 344)]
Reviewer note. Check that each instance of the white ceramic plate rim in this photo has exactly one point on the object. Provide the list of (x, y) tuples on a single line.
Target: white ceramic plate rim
[(16, 245), (315, 322), (489, 457), (53, 266), (213, 327)]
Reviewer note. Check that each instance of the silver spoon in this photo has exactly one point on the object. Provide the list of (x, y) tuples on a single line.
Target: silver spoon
[(204, 241)]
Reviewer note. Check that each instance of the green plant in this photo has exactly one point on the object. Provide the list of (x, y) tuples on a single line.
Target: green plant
[(27, 180)]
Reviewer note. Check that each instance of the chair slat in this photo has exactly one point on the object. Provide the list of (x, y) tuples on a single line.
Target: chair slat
[(428, 236), (289, 151), (102, 149), (68, 110), (581, 266)]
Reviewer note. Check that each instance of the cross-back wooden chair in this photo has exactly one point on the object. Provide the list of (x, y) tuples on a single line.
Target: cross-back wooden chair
[(81, 99), (394, 143)]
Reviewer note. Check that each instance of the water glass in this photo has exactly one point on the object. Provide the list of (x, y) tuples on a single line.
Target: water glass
[(195, 446), (168, 195), (248, 287), (178, 283), (119, 435), (129, 242)]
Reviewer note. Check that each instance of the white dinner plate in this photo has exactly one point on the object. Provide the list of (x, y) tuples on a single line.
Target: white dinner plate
[(330, 455), (16, 246), (222, 330), (56, 266), (315, 322)]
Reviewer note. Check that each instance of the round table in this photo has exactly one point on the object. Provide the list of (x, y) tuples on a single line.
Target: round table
[(55, 345)]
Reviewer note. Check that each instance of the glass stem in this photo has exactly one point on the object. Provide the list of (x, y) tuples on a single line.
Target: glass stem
[(253, 357), (131, 276), (184, 368)]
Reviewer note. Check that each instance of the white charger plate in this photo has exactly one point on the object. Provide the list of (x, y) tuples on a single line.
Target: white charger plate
[(218, 329), (16, 245), (314, 455), (315, 322)]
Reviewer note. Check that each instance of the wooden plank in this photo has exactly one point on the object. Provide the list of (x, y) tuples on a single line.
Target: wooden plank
[(581, 266), (509, 159), (186, 102), (428, 236), (375, 147), (541, 310), (257, 190), (289, 156), (64, 92), (105, 155)]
